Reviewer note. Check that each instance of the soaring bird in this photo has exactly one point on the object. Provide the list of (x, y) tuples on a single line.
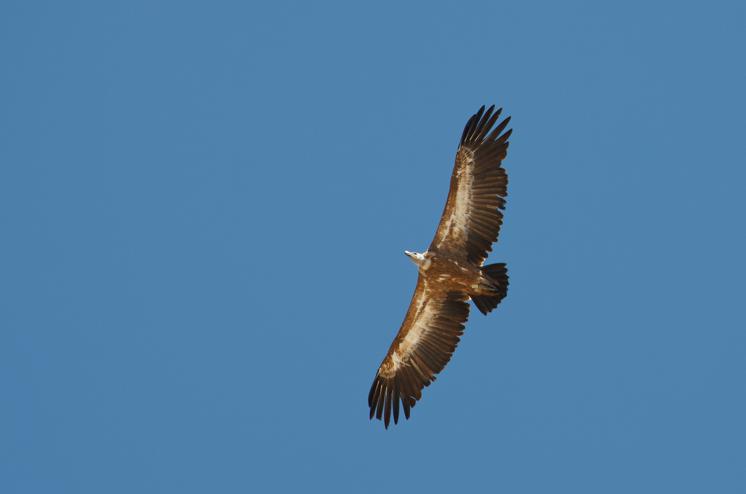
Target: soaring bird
[(451, 271)]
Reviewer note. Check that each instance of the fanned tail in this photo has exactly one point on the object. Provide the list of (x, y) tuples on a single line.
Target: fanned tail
[(497, 275)]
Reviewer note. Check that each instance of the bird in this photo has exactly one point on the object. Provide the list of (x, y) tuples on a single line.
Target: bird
[(451, 271)]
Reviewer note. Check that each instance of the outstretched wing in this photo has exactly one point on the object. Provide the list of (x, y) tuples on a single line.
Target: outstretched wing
[(426, 340), (473, 213)]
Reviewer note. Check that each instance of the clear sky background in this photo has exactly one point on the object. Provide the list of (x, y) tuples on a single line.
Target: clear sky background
[(204, 208)]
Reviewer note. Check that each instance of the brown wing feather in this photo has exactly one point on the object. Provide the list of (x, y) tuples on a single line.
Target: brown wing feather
[(473, 212), (426, 340)]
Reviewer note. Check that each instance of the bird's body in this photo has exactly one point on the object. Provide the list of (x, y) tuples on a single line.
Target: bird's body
[(451, 271), (453, 274)]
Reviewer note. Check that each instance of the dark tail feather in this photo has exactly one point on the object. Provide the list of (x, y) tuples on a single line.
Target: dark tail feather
[(498, 275)]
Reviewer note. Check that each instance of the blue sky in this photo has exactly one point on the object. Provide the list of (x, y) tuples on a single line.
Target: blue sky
[(204, 208)]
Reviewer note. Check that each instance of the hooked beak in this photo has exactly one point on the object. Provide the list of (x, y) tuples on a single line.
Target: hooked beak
[(410, 254)]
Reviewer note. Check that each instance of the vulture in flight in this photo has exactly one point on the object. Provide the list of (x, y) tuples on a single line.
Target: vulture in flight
[(451, 271)]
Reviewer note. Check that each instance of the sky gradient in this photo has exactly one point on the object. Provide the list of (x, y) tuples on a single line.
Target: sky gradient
[(204, 208)]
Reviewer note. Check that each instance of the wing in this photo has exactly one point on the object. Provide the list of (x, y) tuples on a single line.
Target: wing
[(426, 340), (473, 213)]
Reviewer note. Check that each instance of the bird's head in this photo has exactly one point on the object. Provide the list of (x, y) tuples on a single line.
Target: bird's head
[(416, 257)]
